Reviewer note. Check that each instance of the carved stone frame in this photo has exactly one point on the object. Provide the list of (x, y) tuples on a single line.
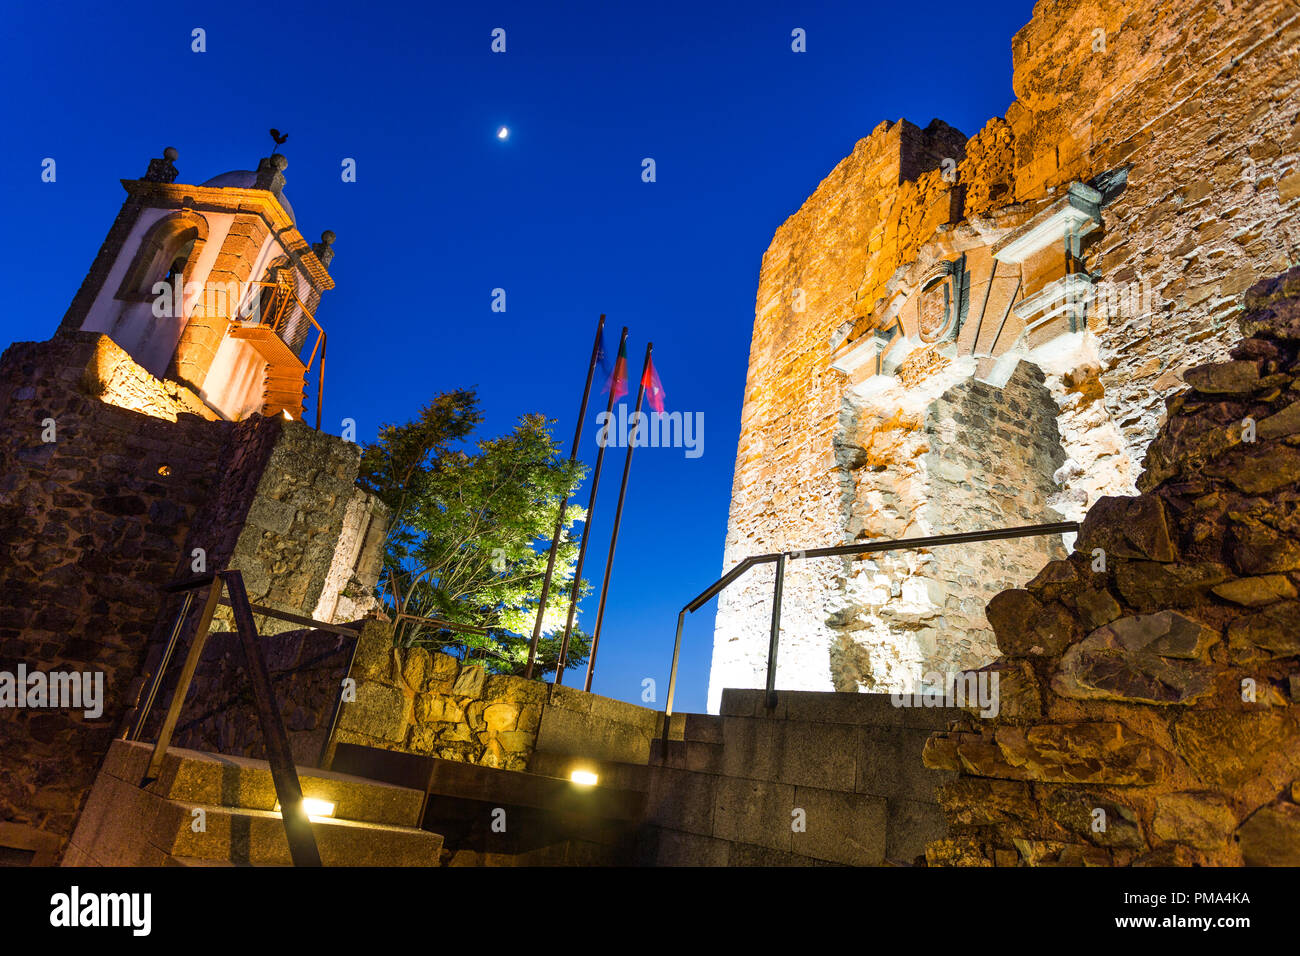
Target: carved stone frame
[(174, 227)]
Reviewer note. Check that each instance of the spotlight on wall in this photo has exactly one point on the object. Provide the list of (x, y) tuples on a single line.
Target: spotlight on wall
[(584, 778)]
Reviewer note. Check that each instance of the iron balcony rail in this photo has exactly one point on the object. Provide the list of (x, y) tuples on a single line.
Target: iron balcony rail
[(844, 550), (279, 321)]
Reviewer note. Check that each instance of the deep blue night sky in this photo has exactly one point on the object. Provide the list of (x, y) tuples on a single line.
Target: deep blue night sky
[(741, 129)]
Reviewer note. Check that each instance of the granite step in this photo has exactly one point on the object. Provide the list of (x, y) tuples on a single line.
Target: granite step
[(215, 810), (258, 838), (191, 776), (870, 710), (610, 774)]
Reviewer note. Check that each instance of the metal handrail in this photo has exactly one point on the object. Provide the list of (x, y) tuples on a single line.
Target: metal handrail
[(843, 550), (279, 754)]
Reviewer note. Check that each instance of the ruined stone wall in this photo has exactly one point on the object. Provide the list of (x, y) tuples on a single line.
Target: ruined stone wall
[(294, 521), (787, 486), (91, 524), (1150, 701), (1183, 114), (976, 459)]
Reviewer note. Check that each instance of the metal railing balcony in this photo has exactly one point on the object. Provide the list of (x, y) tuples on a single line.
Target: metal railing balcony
[(285, 325)]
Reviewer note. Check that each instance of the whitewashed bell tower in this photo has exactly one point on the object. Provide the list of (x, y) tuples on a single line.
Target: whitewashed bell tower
[(212, 286)]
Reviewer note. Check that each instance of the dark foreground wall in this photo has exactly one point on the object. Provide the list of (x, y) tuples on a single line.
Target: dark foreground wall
[(1151, 702), (109, 480)]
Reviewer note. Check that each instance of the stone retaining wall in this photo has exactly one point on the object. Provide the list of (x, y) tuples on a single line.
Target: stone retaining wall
[(110, 478), (412, 700)]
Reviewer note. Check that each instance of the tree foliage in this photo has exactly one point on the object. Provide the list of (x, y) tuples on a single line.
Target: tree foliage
[(471, 524)]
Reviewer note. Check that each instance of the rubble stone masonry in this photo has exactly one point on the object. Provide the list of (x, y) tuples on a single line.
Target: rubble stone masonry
[(110, 478), (1150, 683)]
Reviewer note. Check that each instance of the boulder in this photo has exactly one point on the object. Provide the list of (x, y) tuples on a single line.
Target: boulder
[(1223, 377), (1271, 836), (1256, 591), (1128, 528)]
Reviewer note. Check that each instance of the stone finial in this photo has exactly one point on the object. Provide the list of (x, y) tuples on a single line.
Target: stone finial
[(322, 249), (270, 172), (163, 170)]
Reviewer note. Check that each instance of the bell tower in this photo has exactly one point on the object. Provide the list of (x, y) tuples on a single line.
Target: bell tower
[(212, 286)]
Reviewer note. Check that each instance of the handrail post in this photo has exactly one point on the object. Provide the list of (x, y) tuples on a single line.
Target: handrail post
[(146, 705), (183, 682), (297, 827), (320, 381), (776, 631), (328, 748), (672, 674)]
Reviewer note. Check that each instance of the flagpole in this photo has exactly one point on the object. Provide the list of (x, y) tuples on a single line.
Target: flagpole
[(618, 517), (586, 528), (564, 501)]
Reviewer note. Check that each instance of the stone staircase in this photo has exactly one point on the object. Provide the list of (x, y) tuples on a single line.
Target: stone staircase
[(722, 790), (495, 817), (158, 824), (821, 779)]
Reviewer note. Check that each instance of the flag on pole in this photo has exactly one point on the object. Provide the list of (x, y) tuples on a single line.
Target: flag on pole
[(618, 381), (654, 391), (602, 355)]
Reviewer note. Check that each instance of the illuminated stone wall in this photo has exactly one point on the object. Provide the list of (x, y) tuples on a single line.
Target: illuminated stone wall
[(1163, 135)]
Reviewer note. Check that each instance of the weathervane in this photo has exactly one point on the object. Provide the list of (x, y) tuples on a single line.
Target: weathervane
[(278, 137)]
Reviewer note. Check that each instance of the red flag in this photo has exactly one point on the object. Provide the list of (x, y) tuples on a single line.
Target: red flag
[(654, 391), (618, 381)]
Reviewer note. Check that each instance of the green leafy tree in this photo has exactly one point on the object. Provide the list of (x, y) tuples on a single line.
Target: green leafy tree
[(467, 544)]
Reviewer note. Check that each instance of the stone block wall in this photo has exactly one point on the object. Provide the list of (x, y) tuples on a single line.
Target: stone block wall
[(94, 522), (977, 458), (415, 701), (822, 779), (1158, 692), (294, 522)]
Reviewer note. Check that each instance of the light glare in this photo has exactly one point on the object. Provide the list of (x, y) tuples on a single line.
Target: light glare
[(314, 807)]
